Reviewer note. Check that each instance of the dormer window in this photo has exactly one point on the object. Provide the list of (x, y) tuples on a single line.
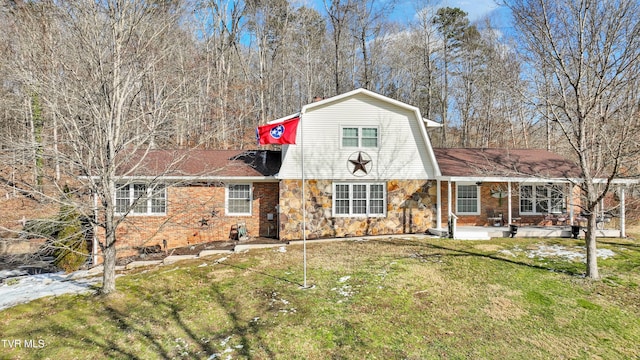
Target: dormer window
[(360, 137)]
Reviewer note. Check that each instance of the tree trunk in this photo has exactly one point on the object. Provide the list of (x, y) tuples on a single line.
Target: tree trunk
[(590, 243), (109, 271)]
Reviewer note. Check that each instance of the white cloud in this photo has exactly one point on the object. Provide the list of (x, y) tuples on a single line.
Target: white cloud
[(476, 9)]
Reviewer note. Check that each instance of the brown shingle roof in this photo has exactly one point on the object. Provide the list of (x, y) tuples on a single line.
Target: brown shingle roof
[(202, 163), (505, 163)]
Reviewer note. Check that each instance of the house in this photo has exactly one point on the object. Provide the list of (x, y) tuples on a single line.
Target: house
[(366, 167)]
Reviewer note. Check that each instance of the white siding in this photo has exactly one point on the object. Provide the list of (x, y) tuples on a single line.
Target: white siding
[(402, 151)]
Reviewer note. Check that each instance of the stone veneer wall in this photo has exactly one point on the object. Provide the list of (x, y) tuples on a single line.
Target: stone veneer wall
[(183, 225), (410, 209)]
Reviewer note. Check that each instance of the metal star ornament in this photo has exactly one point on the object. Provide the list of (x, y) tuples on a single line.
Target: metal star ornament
[(361, 162)]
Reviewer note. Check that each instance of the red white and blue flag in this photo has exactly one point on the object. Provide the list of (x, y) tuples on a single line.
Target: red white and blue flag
[(283, 132)]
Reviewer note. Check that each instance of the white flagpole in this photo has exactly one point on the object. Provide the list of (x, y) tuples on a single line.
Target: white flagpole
[(304, 207)]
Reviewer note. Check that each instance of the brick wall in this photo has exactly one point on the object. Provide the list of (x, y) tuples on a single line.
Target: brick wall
[(196, 214), (487, 201)]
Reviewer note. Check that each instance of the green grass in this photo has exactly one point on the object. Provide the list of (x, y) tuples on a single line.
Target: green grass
[(376, 299)]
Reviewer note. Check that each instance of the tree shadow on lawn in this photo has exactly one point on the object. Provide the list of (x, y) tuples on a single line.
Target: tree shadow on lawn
[(207, 343), (453, 252), (116, 333), (621, 244)]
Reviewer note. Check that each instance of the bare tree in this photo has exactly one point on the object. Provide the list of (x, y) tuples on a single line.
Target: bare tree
[(587, 53), (426, 50), (368, 21), (340, 13), (113, 94), (452, 24), (308, 59)]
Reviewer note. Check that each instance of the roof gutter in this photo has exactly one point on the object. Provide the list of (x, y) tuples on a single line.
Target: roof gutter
[(193, 178)]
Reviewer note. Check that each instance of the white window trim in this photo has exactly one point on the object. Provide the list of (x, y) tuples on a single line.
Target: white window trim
[(226, 200), (359, 136), (478, 203), (150, 190), (534, 198), (351, 214)]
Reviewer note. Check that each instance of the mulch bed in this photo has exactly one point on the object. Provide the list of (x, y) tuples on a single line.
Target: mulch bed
[(194, 249)]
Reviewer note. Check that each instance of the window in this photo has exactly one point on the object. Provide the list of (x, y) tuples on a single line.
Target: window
[(359, 199), (350, 137), (369, 137), (541, 199), (239, 199), (141, 199), (467, 201), (360, 137)]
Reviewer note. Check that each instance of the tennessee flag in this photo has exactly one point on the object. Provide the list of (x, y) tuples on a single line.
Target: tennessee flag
[(283, 132)]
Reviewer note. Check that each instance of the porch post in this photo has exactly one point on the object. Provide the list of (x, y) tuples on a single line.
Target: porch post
[(571, 205), (94, 245), (509, 210), (623, 231), (449, 200), (438, 205)]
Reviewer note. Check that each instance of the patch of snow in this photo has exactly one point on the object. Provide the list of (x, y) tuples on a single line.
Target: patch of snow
[(225, 341), (578, 253), (507, 252), (282, 249), (12, 273), (38, 286), (229, 349), (345, 290), (605, 253)]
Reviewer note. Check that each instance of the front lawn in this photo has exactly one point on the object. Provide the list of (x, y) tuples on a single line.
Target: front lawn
[(383, 298)]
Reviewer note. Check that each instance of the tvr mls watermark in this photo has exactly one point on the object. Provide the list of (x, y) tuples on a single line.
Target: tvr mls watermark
[(23, 343)]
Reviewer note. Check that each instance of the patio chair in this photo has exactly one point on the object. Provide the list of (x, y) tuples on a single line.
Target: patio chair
[(562, 219), (494, 218), (238, 232)]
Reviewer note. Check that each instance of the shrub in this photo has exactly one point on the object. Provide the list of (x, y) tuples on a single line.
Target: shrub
[(40, 228), (71, 246)]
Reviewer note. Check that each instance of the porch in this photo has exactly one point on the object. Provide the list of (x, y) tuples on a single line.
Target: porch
[(525, 231), (535, 189)]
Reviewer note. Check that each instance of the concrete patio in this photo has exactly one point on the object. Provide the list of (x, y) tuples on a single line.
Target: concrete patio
[(524, 231)]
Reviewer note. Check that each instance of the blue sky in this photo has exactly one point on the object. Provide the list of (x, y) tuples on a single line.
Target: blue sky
[(476, 9)]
